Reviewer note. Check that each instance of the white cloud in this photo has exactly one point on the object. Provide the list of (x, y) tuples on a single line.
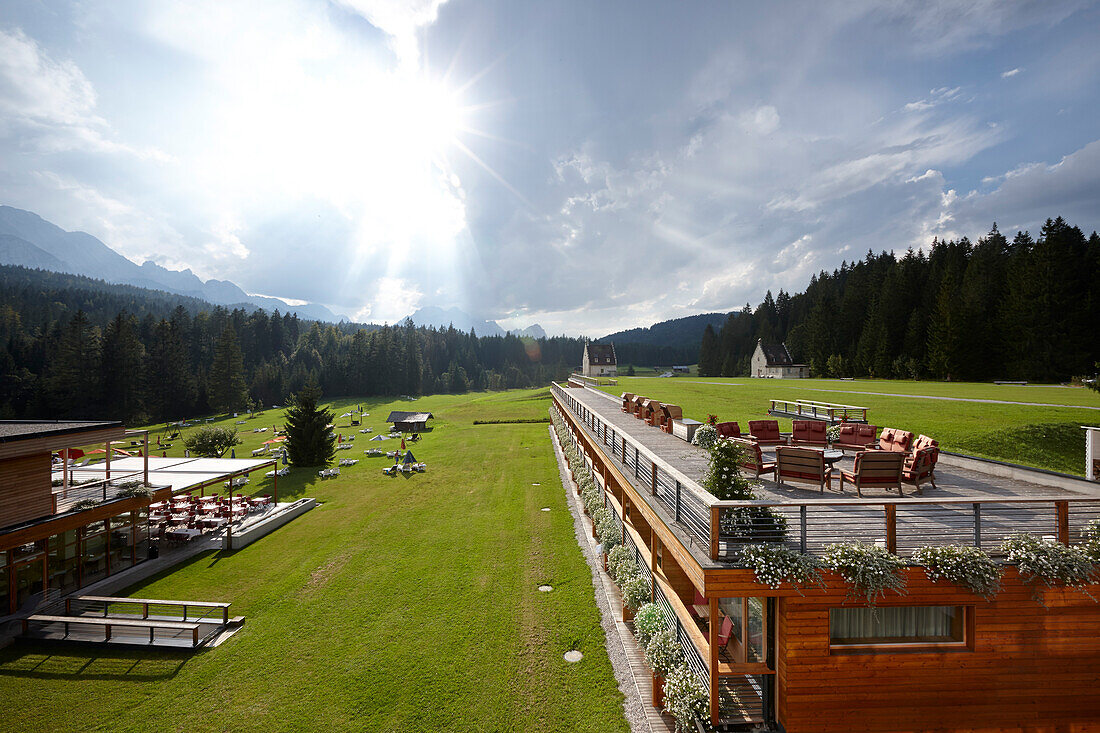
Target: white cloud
[(1010, 73), (760, 121), (401, 20)]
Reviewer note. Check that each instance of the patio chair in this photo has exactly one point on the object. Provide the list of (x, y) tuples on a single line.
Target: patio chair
[(809, 432), (805, 465), (875, 470), (728, 430), (766, 432), (919, 469), (699, 600), (895, 440), (854, 436), (752, 458)]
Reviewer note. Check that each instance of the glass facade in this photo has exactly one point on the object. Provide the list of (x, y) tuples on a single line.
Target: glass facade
[(72, 559)]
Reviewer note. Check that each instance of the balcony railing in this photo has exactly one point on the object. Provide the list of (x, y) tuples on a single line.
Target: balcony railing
[(900, 525)]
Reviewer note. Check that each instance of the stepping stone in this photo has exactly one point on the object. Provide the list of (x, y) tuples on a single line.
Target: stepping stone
[(546, 588), (573, 656)]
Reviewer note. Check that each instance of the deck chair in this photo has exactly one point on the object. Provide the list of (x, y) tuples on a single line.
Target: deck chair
[(806, 465), (875, 469)]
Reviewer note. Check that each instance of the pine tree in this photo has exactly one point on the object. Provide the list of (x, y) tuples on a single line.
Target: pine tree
[(309, 441), (228, 389), (710, 364), (75, 379), (123, 355)]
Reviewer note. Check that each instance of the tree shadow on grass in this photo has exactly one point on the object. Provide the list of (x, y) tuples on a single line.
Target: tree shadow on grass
[(45, 661)]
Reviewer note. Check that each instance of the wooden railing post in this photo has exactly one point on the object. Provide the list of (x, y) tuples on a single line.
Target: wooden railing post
[(714, 535), (978, 525), (891, 528), (1061, 510), (677, 501), (802, 526), (653, 478)]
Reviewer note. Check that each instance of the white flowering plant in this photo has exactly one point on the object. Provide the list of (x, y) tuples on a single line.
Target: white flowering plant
[(869, 569), (1090, 544), (648, 621), (705, 436), (1052, 562), (620, 557), (686, 697), (775, 565), (663, 653), (636, 588), (966, 565), (608, 529), (832, 433)]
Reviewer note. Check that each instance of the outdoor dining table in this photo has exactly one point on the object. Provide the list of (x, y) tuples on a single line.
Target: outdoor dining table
[(182, 533)]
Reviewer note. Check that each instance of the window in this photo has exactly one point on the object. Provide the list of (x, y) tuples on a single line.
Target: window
[(898, 626)]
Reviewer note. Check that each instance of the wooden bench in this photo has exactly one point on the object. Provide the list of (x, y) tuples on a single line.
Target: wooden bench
[(146, 602), (107, 623)]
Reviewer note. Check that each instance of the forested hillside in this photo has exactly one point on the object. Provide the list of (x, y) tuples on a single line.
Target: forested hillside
[(1023, 308), (76, 347)]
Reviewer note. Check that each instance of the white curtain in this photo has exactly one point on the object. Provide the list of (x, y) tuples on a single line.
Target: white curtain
[(894, 624)]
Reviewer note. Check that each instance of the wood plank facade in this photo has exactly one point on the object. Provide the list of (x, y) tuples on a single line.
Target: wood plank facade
[(1028, 660)]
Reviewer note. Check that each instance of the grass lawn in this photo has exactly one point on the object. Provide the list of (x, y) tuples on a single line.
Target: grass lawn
[(401, 604), (1045, 437)]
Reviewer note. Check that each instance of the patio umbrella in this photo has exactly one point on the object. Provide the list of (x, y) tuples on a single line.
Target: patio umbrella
[(280, 439), (409, 457), (233, 453), (285, 463), (377, 437)]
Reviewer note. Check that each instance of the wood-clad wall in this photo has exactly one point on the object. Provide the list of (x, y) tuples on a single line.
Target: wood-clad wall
[(1031, 668), (25, 489)]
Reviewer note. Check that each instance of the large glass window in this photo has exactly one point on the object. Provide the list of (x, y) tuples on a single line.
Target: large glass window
[(64, 562), (94, 552), (889, 625), (5, 592)]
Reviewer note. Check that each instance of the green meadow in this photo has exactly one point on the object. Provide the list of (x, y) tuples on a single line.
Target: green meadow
[(1028, 434), (400, 604)]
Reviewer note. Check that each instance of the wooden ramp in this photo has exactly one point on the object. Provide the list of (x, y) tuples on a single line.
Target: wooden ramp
[(134, 621)]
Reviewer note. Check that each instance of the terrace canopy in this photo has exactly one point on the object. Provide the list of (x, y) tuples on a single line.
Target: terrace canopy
[(178, 473)]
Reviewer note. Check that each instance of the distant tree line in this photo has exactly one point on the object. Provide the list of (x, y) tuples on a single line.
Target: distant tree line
[(1024, 308), (74, 350)]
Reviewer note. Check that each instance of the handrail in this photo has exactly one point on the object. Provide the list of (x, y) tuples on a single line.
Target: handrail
[(856, 501)]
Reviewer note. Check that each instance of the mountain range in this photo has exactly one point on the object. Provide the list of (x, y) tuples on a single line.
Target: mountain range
[(28, 240), (463, 321)]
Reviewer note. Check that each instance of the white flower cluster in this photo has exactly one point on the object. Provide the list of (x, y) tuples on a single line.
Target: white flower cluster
[(776, 564), (869, 569), (686, 698), (705, 436), (621, 560), (663, 653), (636, 589), (647, 622), (1091, 537), (963, 564), (1052, 562)]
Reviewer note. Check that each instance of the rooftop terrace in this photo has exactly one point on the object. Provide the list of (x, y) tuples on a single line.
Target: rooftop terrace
[(968, 505)]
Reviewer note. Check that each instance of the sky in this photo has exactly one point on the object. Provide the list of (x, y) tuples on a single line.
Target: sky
[(589, 166)]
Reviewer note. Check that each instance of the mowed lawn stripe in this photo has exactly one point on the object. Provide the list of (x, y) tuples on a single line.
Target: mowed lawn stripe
[(399, 604)]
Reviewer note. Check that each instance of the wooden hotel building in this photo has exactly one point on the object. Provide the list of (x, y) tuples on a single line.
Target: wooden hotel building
[(937, 657)]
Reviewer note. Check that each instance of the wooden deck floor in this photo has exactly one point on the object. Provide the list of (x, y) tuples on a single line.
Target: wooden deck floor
[(951, 482)]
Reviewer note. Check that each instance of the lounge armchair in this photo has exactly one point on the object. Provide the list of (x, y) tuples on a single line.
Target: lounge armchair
[(752, 458), (728, 430), (919, 469), (806, 465), (766, 432), (875, 470), (809, 432), (671, 412), (895, 440), (628, 402), (854, 436)]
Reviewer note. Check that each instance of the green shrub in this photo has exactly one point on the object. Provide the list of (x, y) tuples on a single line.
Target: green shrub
[(84, 504), (869, 569), (647, 622), (963, 564), (211, 441)]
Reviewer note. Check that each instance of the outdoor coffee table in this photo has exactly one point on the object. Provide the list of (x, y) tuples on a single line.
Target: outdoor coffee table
[(832, 456)]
